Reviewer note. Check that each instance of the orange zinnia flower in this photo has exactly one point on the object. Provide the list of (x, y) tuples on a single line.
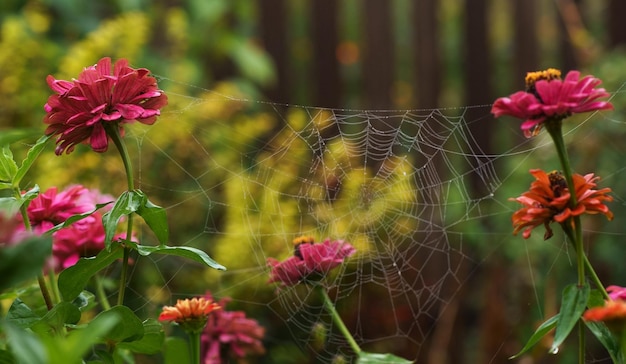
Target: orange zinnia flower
[(191, 314), (612, 310), (548, 200)]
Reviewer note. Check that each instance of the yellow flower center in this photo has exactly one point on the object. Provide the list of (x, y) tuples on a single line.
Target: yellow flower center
[(303, 240), (548, 75)]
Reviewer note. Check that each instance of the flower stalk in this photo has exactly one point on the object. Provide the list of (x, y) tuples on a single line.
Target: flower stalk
[(328, 303), (114, 133)]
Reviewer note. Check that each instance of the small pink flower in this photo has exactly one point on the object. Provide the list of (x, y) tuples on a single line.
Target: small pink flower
[(310, 261), (230, 334), (101, 95), (547, 97)]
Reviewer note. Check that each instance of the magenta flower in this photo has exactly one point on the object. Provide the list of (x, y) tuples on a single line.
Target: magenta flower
[(230, 334), (616, 292), (83, 238), (547, 97), (101, 96), (310, 261)]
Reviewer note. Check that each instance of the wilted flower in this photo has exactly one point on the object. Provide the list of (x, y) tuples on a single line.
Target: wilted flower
[(310, 262), (81, 108), (191, 314), (230, 334), (548, 200), (547, 97)]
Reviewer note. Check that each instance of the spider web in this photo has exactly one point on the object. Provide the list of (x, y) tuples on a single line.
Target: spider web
[(412, 190)]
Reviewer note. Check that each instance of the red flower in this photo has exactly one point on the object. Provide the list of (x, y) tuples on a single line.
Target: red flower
[(548, 200), (310, 261), (547, 97), (230, 334), (80, 109)]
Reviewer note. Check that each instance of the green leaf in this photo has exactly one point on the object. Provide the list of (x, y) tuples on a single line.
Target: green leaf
[(23, 261), (84, 301), (136, 201), (595, 299), (8, 167), (21, 315), (152, 340), (78, 342), (128, 328), (72, 219), (9, 205), (375, 358), (541, 331), (181, 251), (176, 351), (25, 345), (13, 135), (73, 280), (126, 204), (573, 304), (31, 156), (155, 217), (606, 338), (55, 319)]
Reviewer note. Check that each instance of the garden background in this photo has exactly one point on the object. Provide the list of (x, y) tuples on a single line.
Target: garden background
[(235, 160)]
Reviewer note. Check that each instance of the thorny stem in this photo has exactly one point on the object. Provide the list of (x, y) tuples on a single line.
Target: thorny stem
[(328, 303), (114, 132)]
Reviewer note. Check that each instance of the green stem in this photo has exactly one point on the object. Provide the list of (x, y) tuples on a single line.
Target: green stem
[(588, 267), (101, 294), (45, 293), (328, 303), (581, 341), (554, 129), (52, 277), (194, 344), (114, 132)]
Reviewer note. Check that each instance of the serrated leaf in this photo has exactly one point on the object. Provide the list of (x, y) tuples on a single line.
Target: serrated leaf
[(376, 358), (128, 328), (606, 338), (21, 315), (573, 304), (23, 261), (155, 217), (31, 156), (152, 340), (180, 251), (541, 331), (73, 280)]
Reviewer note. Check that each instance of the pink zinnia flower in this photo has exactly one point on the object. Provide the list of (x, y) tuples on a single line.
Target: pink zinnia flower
[(83, 238), (80, 109), (547, 97), (548, 200), (310, 261), (230, 334)]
